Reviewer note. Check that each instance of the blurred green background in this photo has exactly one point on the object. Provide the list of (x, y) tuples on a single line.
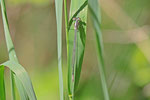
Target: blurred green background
[(126, 29)]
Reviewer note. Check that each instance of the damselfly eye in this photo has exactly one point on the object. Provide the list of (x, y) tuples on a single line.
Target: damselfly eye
[(74, 19), (78, 18)]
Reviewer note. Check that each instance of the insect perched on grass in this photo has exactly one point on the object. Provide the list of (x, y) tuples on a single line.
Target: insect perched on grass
[(76, 26), (78, 41)]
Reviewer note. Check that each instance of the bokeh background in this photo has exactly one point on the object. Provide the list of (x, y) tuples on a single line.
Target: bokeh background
[(126, 29)]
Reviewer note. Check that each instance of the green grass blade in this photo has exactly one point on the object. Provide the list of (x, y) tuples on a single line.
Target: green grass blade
[(78, 8), (12, 56), (2, 85), (9, 44), (22, 77), (77, 12), (67, 38), (59, 8), (22, 92), (95, 17), (66, 15)]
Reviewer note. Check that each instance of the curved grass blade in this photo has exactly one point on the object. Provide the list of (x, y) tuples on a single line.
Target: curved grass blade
[(22, 92), (78, 9), (58, 7), (12, 56), (9, 44), (77, 12), (2, 85), (95, 17), (22, 76)]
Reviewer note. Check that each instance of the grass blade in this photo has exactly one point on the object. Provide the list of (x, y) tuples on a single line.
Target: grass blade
[(12, 56), (2, 85), (22, 77), (9, 44), (78, 8), (67, 39), (95, 17), (77, 12), (59, 7)]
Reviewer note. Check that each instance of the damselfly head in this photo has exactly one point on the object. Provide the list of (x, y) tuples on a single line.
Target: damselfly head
[(76, 19)]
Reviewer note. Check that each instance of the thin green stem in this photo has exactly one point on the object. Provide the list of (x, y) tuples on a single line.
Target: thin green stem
[(66, 16), (67, 40)]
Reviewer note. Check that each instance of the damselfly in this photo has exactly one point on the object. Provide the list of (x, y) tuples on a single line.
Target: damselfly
[(76, 27)]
